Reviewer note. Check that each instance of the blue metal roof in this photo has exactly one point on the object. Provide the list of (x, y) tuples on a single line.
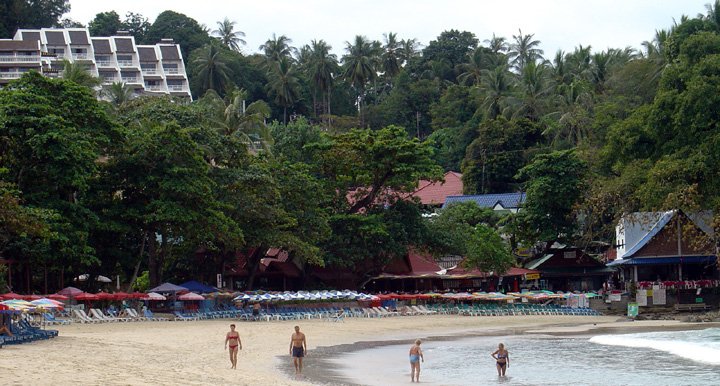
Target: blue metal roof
[(506, 200), (663, 260)]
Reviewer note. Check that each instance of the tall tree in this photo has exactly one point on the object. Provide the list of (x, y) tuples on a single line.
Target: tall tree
[(212, 68), (105, 24), (524, 50), (322, 68), (79, 73), (185, 31), (16, 14), (359, 62), (228, 36), (391, 59), (277, 48), (117, 93), (283, 83)]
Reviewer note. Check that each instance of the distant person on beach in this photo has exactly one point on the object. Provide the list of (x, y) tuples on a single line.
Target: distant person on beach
[(298, 348), (233, 338), (502, 359), (415, 356), (256, 310)]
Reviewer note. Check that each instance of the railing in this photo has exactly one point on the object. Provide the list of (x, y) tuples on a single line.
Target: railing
[(172, 71), (176, 87), (128, 79), (80, 56), (149, 71), (105, 63), (10, 75), (19, 58), (153, 88), (126, 63), (109, 79)]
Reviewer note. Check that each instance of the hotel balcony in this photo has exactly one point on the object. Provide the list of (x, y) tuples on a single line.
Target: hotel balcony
[(19, 58), (150, 71), (10, 75), (80, 56), (130, 79), (156, 87), (105, 63), (126, 63), (109, 79)]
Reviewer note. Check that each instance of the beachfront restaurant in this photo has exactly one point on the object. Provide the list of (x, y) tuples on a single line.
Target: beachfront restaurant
[(570, 269), (669, 246)]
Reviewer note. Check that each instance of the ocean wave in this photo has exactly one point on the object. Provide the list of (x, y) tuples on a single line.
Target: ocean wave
[(696, 351)]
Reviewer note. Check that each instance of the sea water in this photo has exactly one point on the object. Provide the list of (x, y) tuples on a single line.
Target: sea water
[(652, 359)]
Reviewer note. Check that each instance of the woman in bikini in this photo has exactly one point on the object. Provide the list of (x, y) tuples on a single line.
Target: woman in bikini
[(415, 356), (233, 338), (502, 359)]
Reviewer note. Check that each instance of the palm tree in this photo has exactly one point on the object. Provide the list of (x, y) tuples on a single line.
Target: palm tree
[(534, 86), (283, 83), (117, 93), (573, 125), (228, 36), (391, 61), (524, 50), (471, 72), (212, 68), (580, 61), (235, 119), (277, 48), (497, 87), (321, 69), (497, 44), (409, 49), (80, 74), (360, 64)]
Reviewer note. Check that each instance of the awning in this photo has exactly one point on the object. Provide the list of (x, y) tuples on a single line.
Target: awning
[(663, 260)]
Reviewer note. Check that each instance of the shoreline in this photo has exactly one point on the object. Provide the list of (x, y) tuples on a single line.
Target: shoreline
[(326, 371), (192, 353)]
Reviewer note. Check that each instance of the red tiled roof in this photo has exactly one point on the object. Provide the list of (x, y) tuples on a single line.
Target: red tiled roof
[(515, 271), (435, 193), (421, 264)]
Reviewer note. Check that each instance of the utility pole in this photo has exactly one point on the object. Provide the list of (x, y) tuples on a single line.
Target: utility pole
[(417, 123)]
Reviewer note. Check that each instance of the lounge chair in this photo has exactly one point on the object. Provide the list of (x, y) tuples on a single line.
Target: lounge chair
[(51, 319), (82, 317), (133, 315), (184, 318), (150, 316)]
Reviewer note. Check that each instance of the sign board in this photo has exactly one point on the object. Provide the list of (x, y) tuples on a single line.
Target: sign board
[(641, 297), (659, 296), (532, 276), (219, 280), (632, 310), (615, 297)]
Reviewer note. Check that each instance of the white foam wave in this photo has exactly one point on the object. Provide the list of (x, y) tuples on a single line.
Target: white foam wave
[(690, 350)]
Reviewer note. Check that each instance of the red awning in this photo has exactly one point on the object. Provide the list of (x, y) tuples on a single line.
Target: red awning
[(516, 271)]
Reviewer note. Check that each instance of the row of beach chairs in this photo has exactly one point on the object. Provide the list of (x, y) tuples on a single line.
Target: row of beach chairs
[(514, 309), (126, 315)]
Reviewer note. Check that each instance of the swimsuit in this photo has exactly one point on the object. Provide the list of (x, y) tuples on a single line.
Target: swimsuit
[(298, 352), (414, 358), (232, 347), (502, 356)]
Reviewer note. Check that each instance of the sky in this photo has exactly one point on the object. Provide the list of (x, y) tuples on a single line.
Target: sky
[(558, 24)]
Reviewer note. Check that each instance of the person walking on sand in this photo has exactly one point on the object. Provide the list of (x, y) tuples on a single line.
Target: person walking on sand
[(298, 348), (502, 359), (415, 356), (233, 338)]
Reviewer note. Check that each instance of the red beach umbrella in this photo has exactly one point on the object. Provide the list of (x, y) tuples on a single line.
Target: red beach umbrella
[(190, 296), (121, 295), (86, 296), (31, 297), (11, 296), (57, 297), (139, 295), (103, 296), (70, 291)]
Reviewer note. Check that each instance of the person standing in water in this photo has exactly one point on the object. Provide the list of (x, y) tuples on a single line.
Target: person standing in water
[(502, 359), (415, 356), (298, 348), (233, 338)]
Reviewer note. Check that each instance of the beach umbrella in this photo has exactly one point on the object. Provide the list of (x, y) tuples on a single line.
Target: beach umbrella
[(86, 296), (70, 291), (10, 295), (154, 296), (57, 297), (138, 296), (121, 295), (47, 304), (190, 296), (104, 296), (31, 297), (99, 278), (19, 305)]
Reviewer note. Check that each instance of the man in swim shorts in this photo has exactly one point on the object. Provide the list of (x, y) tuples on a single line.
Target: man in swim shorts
[(415, 356), (298, 348), (233, 338)]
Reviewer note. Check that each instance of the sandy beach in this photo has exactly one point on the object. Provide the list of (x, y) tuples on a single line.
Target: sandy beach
[(191, 353)]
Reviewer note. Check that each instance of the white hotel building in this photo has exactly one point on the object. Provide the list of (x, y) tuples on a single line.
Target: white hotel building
[(148, 69)]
